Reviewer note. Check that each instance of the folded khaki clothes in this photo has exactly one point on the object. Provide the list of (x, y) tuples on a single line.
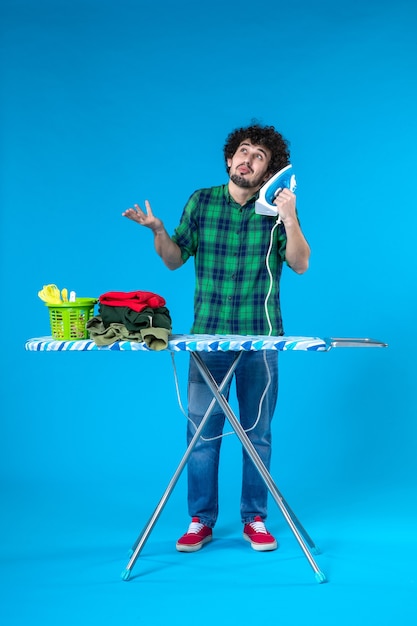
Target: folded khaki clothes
[(154, 337)]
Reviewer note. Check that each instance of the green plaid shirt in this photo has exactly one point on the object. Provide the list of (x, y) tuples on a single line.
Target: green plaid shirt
[(229, 243)]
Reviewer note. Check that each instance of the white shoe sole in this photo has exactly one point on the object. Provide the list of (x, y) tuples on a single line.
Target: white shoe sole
[(193, 547), (261, 547)]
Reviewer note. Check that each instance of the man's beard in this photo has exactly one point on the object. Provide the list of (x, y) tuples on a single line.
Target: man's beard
[(243, 182)]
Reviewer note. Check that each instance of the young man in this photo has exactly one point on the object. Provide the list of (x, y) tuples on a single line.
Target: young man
[(230, 243)]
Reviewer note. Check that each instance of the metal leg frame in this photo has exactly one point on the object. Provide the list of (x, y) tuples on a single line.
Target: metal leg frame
[(302, 537), (290, 518)]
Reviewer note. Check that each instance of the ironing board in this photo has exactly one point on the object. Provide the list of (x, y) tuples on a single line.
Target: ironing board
[(194, 344)]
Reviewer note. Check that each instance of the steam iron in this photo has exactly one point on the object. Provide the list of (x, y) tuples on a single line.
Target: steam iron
[(285, 178)]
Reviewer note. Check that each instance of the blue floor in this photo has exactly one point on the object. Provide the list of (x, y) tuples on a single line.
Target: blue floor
[(107, 103), (63, 552)]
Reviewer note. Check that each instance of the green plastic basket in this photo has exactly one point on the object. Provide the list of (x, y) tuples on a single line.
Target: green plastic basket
[(69, 319)]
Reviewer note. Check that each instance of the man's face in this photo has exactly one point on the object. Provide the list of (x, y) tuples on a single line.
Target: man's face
[(249, 165)]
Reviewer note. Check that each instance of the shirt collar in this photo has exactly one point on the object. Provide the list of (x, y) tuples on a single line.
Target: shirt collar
[(231, 200)]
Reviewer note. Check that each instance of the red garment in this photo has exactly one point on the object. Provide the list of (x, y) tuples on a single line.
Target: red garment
[(136, 300)]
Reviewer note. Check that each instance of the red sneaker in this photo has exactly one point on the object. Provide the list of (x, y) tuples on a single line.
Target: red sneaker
[(196, 536), (260, 539)]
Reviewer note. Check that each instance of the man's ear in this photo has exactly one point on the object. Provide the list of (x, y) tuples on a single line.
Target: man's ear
[(229, 163), (267, 176)]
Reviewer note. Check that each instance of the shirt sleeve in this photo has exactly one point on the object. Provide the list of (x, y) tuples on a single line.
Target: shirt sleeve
[(186, 233), (282, 240)]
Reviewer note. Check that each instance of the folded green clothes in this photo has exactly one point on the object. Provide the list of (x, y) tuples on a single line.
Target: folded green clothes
[(154, 337), (158, 317)]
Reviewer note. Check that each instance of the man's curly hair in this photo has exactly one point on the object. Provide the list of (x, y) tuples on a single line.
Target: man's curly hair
[(265, 136)]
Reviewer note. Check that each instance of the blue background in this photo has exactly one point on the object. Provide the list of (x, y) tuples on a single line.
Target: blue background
[(108, 103)]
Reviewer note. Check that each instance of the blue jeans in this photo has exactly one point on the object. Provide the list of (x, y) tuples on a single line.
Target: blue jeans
[(255, 372)]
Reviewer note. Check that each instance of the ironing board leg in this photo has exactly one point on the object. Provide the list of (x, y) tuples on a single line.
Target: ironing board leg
[(247, 444), (141, 540)]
